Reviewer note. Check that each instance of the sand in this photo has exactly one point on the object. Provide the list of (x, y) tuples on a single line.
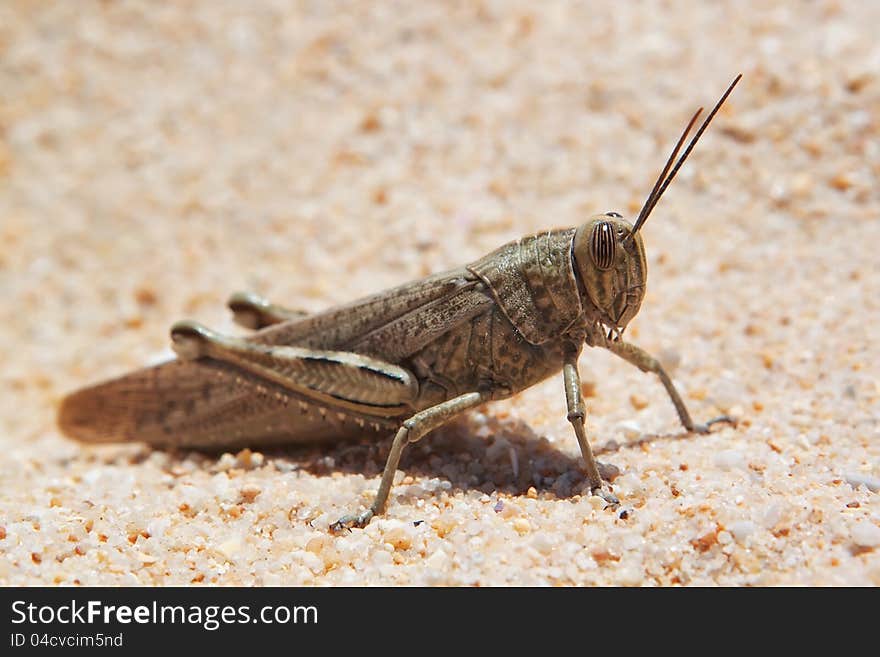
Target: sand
[(154, 158)]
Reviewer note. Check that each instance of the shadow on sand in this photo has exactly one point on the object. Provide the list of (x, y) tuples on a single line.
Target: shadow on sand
[(500, 456)]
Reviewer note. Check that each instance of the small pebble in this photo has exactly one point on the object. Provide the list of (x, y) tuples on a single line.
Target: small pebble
[(316, 545), (230, 547), (439, 560), (866, 534), (597, 502), (630, 429), (399, 538), (638, 402), (588, 388), (630, 576), (742, 529), (856, 479), (730, 459), (521, 525), (250, 492)]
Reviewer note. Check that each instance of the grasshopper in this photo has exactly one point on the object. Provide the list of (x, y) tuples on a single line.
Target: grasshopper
[(408, 359)]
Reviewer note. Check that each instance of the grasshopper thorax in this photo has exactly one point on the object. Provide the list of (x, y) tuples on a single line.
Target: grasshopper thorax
[(610, 263)]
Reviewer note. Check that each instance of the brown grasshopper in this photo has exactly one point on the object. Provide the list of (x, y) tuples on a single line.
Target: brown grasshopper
[(409, 358)]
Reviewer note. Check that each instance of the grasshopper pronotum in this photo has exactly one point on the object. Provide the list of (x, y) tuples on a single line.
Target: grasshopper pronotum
[(409, 358)]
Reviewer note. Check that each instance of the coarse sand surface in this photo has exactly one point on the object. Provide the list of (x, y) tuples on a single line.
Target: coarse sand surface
[(155, 157)]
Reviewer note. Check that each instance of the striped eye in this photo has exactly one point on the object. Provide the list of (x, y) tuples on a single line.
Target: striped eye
[(602, 245)]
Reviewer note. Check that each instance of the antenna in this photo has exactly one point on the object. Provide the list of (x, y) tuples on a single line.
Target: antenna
[(663, 180)]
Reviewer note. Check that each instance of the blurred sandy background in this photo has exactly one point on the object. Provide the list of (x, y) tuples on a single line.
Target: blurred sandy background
[(155, 157)]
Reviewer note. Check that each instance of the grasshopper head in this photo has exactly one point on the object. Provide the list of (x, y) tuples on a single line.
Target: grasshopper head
[(611, 263)]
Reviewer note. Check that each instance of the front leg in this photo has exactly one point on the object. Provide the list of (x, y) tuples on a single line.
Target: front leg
[(574, 400), (647, 363)]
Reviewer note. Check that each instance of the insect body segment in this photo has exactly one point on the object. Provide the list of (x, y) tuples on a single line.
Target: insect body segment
[(533, 282), (614, 290), (409, 358)]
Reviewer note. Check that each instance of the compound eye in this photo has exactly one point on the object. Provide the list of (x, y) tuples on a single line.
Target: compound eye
[(602, 245), (616, 215)]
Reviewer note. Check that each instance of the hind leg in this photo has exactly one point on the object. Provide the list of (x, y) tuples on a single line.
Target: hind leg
[(412, 430), (255, 312)]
